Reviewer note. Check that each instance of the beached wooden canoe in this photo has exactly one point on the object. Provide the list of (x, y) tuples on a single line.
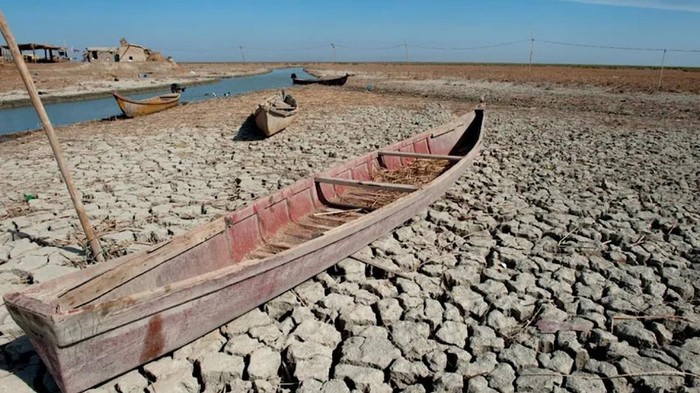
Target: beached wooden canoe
[(276, 113), (328, 82), (132, 108), (94, 324)]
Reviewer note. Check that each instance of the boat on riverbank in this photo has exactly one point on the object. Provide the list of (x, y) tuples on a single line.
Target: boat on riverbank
[(276, 113), (94, 324), (328, 82), (133, 108)]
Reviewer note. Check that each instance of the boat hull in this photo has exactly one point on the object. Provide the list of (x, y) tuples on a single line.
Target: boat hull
[(327, 82), (89, 362), (88, 344), (270, 123), (133, 108)]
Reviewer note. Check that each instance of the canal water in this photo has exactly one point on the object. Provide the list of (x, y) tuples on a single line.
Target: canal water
[(25, 118)]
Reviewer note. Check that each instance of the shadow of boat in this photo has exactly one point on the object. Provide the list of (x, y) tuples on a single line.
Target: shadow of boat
[(249, 131), (24, 363)]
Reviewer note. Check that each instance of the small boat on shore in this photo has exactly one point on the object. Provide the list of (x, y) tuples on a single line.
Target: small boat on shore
[(94, 324), (328, 82), (276, 113), (133, 108)]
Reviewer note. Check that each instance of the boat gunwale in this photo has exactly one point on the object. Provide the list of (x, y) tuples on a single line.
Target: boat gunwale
[(244, 269)]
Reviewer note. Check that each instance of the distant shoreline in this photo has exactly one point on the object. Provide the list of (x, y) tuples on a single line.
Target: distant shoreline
[(104, 93)]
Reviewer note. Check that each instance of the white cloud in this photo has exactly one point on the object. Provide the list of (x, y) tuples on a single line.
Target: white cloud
[(676, 5)]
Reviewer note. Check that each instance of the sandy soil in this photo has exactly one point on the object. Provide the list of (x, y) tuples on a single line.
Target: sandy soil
[(567, 258)]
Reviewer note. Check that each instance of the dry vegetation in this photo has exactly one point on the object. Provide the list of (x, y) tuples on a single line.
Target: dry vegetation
[(618, 79)]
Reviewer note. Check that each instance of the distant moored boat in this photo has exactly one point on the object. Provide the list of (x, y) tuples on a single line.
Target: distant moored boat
[(276, 113), (328, 82), (133, 108)]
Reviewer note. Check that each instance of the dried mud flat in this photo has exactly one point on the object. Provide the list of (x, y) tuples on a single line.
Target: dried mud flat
[(566, 259)]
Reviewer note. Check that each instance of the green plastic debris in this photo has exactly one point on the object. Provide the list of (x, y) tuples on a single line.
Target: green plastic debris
[(29, 197)]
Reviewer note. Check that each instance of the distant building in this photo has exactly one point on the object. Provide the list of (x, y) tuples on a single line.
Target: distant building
[(125, 52), (105, 54), (51, 53), (132, 52)]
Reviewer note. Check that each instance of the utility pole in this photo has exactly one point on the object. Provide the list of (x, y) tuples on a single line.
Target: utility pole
[(405, 46), (242, 56), (532, 50), (661, 72), (335, 59)]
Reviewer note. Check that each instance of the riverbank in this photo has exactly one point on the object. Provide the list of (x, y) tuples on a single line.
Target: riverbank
[(142, 83), (566, 259), (20, 119), (69, 81)]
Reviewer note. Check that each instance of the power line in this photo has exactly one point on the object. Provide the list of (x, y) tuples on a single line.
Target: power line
[(471, 47), (619, 47), (285, 49), (375, 48), (406, 45)]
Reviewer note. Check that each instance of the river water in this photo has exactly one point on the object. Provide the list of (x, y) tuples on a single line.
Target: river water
[(25, 118)]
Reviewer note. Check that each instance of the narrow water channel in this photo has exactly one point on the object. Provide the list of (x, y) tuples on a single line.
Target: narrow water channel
[(14, 120)]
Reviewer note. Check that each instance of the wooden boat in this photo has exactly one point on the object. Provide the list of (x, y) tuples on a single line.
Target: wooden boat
[(132, 108), (276, 113), (328, 82), (91, 325)]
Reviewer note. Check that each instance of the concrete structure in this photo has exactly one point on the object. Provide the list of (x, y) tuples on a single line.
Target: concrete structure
[(52, 54), (133, 52), (124, 52), (102, 54)]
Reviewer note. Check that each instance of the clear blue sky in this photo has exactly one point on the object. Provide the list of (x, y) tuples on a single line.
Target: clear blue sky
[(274, 30)]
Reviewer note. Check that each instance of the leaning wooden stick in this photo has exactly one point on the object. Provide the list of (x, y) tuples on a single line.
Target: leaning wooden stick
[(58, 154)]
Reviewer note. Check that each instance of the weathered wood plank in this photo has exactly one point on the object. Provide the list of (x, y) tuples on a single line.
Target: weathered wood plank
[(259, 254), (112, 279), (318, 227), (332, 219), (367, 184), (303, 237), (420, 155), (283, 245)]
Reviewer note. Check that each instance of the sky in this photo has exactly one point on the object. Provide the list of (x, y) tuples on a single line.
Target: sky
[(490, 31)]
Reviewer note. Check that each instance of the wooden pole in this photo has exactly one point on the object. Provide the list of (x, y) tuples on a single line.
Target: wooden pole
[(58, 154), (661, 71), (242, 56)]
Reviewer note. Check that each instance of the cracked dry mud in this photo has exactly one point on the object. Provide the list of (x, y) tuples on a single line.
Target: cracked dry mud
[(566, 259)]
